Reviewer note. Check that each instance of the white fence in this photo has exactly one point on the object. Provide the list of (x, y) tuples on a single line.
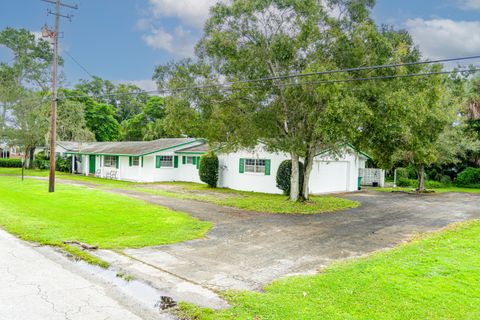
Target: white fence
[(369, 176)]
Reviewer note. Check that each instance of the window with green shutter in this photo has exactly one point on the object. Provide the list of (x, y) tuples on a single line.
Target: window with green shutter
[(157, 162), (184, 160), (129, 161), (175, 161), (241, 167), (194, 160)]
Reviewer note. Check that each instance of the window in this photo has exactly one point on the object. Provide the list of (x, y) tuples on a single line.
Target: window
[(109, 161), (166, 161), (255, 165), (189, 160), (135, 161)]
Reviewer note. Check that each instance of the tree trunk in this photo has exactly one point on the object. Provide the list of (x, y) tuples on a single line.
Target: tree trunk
[(421, 178), (30, 155), (294, 179), (306, 175)]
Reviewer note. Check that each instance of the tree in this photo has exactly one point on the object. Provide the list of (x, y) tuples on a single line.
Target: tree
[(254, 39), (71, 124), (30, 116), (149, 124)]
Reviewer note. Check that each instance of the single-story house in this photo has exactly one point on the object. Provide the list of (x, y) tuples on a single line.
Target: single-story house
[(7, 151), (178, 160)]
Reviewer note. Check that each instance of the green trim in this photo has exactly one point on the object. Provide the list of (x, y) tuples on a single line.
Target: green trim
[(193, 152), (172, 147)]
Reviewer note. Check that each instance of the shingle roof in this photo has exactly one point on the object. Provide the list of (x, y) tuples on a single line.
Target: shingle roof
[(198, 148), (135, 148)]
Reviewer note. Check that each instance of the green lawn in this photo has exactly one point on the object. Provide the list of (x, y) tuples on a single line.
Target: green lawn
[(91, 216), (439, 190), (254, 201), (261, 202), (437, 277)]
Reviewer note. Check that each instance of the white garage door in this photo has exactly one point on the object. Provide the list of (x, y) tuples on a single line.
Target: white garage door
[(329, 177)]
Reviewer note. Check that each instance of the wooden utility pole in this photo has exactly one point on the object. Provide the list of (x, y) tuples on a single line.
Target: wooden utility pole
[(53, 129)]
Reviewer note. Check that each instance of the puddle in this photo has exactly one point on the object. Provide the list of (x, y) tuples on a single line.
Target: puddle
[(142, 293)]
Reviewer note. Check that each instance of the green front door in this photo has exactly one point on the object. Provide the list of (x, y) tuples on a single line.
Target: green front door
[(92, 164)]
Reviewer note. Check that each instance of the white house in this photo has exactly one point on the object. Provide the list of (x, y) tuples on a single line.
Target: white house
[(178, 160)]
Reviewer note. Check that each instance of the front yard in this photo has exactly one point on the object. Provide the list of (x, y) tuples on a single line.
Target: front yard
[(90, 216), (437, 277), (439, 190), (260, 202)]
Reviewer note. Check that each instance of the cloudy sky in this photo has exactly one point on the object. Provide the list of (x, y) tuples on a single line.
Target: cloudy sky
[(122, 40)]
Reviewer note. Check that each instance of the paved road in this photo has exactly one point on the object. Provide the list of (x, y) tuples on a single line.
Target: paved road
[(247, 250), (34, 287)]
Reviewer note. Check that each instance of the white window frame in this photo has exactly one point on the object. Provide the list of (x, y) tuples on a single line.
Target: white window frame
[(256, 166), (163, 162), (189, 160), (111, 162)]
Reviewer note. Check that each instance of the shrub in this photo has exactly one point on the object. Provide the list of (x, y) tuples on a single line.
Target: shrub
[(468, 177), (10, 163), (41, 161), (284, 173), (446, 180), (208, 169), (63, 164), (430, 184), (405, 182)]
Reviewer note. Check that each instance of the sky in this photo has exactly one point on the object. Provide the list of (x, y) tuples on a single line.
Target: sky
[(123, 40)]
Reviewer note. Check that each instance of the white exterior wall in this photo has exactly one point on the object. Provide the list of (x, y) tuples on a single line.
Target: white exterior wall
[(329, 175), (230, 176)]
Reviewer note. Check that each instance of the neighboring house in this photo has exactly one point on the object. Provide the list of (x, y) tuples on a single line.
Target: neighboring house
[(178, 160), (7, 151)]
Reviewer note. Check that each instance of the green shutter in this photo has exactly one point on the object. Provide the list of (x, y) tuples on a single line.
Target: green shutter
[(242, 165), (267, 167), (130, 160), (194, 160), (175, 161), (157, 162), (117, 161), (142, 162), (198, 161), (184, 160)]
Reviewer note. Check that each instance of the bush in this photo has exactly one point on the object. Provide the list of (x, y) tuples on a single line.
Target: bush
[(284, 173), (468, 177), (10, 163), (208, 169), (405, 182), (63, 164), (430, 184), (41, 161), (446, 180)]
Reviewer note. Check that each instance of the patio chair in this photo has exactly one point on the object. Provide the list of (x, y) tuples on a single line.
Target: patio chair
[(114, 174), (98, 173)]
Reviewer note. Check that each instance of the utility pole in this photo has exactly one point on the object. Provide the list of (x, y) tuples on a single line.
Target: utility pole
[(54, 36)]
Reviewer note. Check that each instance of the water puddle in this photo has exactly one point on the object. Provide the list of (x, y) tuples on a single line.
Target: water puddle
[(142, 293)]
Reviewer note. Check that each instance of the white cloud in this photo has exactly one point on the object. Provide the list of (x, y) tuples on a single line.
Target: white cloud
[(470, 4), (192, 13), (445, 38), (180, 42)]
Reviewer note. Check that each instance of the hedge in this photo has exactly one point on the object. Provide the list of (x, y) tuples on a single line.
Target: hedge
[(284, 174), (208, 169), (468, 178), (10, 163)]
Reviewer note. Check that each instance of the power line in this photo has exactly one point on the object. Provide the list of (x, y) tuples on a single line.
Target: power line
[(78, 64), (229, 86)]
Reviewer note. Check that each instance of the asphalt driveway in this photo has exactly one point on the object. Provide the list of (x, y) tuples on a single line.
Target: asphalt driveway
[(247, 250)]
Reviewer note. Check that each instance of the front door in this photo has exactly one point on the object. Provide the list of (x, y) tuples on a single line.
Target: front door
[(92, 164)]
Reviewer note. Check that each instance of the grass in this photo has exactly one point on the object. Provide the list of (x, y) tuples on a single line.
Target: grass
[(435, 277), (260, 202), (254, 201), (91, 216), (85, 256), (439, 190)]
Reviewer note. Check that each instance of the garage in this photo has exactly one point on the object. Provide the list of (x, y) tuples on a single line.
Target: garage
[(330, 176)]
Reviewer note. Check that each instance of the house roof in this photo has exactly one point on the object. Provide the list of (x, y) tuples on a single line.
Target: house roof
[(128, 148), (346, 145), (201, 148)]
